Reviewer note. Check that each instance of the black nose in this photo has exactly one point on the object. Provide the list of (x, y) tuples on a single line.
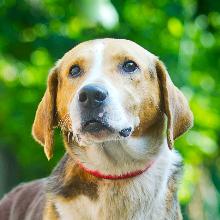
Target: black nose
[(92, 96)]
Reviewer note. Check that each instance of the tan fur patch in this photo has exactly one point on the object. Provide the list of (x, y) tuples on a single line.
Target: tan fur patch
[(50, 212), (70, 181)]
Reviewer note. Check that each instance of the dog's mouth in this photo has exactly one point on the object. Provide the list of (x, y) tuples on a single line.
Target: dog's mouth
[(95, 125)]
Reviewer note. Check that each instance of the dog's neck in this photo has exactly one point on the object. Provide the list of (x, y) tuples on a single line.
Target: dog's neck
[(118, 157), (121, 155), (148, 191)]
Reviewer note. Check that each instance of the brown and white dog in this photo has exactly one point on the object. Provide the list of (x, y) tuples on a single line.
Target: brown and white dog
[(119, 113)]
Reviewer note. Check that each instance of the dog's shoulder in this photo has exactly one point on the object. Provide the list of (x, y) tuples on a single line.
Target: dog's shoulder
[(172, 204), (26, 201), (69, 181)]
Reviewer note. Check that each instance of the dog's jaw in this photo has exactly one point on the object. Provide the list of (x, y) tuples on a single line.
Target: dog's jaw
[(117, 157)]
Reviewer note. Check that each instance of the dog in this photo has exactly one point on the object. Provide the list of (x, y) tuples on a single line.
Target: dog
[(119, 113)]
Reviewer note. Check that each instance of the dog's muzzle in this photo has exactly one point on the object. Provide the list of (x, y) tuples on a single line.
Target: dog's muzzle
[(93, 99)]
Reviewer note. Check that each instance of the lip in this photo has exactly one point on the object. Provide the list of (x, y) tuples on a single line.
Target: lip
[(95, 125)]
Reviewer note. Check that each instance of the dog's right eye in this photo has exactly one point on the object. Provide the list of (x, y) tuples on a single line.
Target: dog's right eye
[(75, 71)]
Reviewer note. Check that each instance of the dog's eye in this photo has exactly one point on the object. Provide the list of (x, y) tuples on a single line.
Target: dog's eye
[(129, 66), (75, 71)]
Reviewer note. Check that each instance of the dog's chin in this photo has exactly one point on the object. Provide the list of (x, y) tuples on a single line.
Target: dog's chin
[(99, 137), (95, 138)]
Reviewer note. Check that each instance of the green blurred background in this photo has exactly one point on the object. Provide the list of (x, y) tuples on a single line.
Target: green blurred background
[(185, 34)]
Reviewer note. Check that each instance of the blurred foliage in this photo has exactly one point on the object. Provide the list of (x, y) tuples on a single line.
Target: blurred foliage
[(184, 33)]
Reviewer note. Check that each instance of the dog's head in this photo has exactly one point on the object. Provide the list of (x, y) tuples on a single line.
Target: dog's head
[(110, 91)]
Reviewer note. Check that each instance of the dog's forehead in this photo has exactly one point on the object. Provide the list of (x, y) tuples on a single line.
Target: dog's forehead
[(109, 47)]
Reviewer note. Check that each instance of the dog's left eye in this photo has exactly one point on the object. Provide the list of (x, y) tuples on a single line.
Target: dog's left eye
[(75, 71), (129, 66)]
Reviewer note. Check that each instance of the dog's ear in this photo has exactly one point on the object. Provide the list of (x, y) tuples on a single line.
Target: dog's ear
[(45, 118), (175, 105)]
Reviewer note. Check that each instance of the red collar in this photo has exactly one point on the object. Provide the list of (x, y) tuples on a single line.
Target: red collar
[(96, 173)]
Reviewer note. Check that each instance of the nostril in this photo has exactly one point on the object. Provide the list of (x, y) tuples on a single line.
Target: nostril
[(100, 96), (92, 96), (82, 97)]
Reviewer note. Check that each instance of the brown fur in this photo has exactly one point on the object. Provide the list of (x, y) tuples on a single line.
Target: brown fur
[(45, 119), (69, 181), (175, 104), (50, 211), (26, 201)]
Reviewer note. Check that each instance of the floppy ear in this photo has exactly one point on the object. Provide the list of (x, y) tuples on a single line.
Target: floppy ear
[(45, 118), (176, 107)]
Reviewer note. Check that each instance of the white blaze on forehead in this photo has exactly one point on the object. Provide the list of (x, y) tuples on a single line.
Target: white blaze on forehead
[(96, 68)]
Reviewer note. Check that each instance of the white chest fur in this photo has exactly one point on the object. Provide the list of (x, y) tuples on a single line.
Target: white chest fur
[(81, 208)]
